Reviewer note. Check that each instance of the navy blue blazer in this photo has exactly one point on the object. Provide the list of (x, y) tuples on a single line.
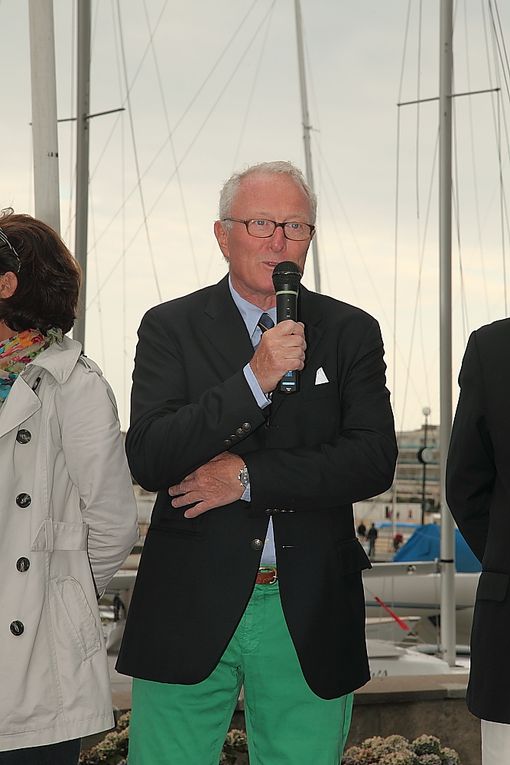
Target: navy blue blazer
[(478, 494), (310, 455)]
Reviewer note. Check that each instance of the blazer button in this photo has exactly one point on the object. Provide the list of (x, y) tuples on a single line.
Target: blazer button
[(23, 436), (17, 628), (23, 500), (246, 427), (227, 442), (256, 544), (239, 432), (22, 564), (232, 437)]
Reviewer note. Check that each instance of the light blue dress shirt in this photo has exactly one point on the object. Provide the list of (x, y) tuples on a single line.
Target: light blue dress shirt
[(251, 315)]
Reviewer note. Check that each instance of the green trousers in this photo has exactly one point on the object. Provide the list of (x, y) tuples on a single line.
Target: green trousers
[(286, 723)]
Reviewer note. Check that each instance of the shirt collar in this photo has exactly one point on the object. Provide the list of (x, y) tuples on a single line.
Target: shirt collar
[(250, 313)]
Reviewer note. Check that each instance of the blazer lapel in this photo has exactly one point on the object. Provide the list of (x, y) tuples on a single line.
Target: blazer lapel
[(310, 319), (225, 329)]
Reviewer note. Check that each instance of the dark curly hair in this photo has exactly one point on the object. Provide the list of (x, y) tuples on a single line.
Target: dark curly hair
[(48, 275)]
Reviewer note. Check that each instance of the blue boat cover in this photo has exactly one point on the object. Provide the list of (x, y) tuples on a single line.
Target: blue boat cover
[(424, 544)]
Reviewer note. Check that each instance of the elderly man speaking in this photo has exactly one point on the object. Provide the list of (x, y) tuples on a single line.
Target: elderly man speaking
[(251, 571)]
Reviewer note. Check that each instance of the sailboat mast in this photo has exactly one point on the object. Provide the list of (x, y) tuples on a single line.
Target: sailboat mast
[(306, 132), (44, 112), (82, 159), (448, 638)]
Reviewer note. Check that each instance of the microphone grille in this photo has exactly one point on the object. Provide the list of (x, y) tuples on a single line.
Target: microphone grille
[(286, 272)]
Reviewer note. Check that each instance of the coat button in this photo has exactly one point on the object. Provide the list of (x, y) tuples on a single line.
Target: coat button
[(22, 564), (17, 628), (256, 544), (246, 427), (227, 442), (239, 432), (23, 436), (23, 500)]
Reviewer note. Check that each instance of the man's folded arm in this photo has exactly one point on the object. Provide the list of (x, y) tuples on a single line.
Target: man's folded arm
[(168, 437)]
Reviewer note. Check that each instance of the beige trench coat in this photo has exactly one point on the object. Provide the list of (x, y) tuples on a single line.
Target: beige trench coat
[(67, 521)]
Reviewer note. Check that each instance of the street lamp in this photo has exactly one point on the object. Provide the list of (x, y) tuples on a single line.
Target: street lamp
[(424, 457)]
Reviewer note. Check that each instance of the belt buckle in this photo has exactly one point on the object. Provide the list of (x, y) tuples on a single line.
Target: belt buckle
[(268, 570)]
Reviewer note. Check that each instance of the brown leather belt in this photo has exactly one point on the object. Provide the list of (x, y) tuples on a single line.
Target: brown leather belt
[(266, 575)]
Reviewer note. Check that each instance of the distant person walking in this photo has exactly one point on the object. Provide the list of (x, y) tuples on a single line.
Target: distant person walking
[(362, 531), (372, 538)]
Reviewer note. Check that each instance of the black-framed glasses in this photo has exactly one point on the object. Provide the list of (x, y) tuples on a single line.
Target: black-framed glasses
[(263, 228), (4, 240)]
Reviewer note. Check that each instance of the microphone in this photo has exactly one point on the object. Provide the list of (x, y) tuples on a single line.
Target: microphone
[(286, 278)]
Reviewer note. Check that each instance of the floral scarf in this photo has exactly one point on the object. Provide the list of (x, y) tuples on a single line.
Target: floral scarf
[(18, 351)]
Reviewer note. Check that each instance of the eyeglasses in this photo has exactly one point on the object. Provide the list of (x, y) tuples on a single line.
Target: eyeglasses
[(263, 229), (4, 240)]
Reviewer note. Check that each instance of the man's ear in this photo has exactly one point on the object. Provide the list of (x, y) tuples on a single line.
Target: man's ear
[(222, 238), (8, 284)]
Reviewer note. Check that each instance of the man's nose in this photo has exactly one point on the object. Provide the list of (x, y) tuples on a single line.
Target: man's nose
[(278, 241)]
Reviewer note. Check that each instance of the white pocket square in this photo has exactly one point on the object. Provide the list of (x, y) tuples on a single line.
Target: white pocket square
[(320, 377)]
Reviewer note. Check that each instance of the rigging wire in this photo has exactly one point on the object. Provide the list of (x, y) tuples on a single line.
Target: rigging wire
[(172, 146), (252, 89), (419, 233), (194, 98), (395, 257), (455, 205), (456, 209), (72, 131), (358, 250), (502, 207), (499, 117), (234, 72), (500, 45), (126, 352), (420, 270), (326, 202), (474, 171), (135, 156), (396, 218), (357, 246), (418, 105), (124, 99), (213, 249), (421, 239)]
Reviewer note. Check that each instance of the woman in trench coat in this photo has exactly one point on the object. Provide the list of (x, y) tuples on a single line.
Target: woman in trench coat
[(67, 510)]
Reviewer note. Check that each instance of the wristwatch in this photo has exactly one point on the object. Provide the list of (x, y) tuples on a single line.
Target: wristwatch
[(243, 477)]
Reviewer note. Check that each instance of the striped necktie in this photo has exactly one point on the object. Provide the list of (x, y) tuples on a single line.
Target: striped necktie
[(265, 322)]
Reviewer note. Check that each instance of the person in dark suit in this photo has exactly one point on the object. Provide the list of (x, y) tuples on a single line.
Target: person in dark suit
[(251, 570), (478, 493)]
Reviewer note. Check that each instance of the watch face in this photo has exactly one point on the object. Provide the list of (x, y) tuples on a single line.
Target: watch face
[(243, 476)]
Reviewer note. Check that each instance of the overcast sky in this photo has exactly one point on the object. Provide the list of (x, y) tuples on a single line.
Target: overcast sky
[(218, 89)]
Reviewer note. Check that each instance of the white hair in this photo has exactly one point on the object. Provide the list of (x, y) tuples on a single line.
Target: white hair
[(231, 186)]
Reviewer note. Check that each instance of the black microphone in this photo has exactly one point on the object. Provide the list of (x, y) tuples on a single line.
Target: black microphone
[(286, 278)]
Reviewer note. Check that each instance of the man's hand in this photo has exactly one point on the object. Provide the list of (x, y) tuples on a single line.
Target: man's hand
[(281, 349), (211, 485)]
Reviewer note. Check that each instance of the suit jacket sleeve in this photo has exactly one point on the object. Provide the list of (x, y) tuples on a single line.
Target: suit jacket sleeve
[(169, 437), (358, 463), (470, 471)]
